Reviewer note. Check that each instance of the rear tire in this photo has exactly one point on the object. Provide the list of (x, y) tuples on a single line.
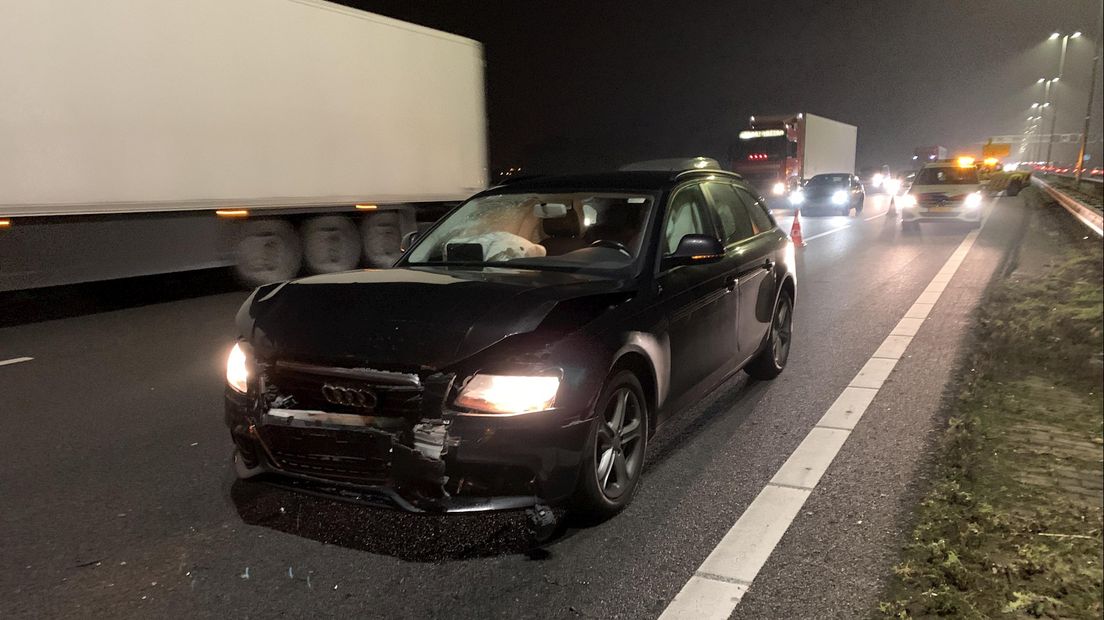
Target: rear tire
[(330, 244), (267, 251), (613, 458), (1013, 188), (771, 361)]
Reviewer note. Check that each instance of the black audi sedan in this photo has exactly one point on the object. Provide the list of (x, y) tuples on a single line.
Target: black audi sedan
[(522, 352), (834, 193)]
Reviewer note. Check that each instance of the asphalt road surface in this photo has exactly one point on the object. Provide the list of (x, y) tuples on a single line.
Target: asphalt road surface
[(117, 498)]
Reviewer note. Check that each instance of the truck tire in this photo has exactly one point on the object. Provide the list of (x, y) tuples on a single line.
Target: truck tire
[(330, 244), (382, 234), (1013, 188), (267, 250)]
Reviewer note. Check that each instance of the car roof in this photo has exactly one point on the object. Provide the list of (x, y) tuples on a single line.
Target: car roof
[(643, 180)]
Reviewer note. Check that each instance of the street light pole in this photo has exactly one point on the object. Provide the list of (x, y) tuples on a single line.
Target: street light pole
[(1054, 108), (1092, 92)]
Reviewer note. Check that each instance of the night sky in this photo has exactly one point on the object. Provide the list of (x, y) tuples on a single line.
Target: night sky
[(590, 85)]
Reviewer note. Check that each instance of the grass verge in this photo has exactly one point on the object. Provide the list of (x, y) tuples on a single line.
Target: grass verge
[(1012, 525)]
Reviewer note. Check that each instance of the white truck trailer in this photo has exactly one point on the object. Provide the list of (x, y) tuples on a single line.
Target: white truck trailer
[(779, 153), (276, 136)]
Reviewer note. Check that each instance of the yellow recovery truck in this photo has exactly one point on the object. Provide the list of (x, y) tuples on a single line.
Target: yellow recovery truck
[(994, 176)]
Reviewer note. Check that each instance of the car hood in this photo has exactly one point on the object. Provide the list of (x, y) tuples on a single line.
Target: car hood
[(417, 318)]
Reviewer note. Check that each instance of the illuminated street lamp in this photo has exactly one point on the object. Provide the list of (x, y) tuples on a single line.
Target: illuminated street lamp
[(1061, 68)]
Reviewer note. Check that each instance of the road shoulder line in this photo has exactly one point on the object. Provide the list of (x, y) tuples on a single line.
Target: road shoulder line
[(15, 360)]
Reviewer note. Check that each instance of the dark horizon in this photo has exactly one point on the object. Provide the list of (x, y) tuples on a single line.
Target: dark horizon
[(574, 86)]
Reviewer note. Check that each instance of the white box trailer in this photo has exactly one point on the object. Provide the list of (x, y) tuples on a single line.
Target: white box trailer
[(828, 146), (778, 153), (129, 126)]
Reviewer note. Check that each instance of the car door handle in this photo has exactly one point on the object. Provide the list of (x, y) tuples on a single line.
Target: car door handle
[(768, 264), (730, 283)]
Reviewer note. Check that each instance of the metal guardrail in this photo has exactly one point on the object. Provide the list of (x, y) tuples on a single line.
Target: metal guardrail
[(1073, 177), (1087, 215)]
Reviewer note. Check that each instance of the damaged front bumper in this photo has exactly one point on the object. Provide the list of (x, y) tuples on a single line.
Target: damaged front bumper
[(428, 459)]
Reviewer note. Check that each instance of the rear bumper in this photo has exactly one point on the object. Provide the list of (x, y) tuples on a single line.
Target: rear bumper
[(459, 463)]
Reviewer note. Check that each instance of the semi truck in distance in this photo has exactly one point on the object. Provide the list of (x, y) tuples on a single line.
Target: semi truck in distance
[(779, 153), (277, 137), (926, 154)]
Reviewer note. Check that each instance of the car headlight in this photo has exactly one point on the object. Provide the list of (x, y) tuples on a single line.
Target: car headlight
[(972, 201), (237, 369), (907, 200), (892, 186), (797, 197), (778, 189), (509, 393), (839, 197), (877, 180)]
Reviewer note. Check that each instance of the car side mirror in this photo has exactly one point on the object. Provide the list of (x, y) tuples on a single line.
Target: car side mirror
[(408, 240), (695, 249)]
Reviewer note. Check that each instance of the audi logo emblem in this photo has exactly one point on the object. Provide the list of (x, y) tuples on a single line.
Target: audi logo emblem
[(349, 396)]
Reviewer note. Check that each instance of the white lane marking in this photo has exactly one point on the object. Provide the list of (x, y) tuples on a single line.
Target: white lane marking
[(15, 360), (874, 373), (811, 459), (893, 347), (848, 408), (874, 217), (736, 560), (907, 327), (919, 311), (697, 599), (827, 232), (746, 547)]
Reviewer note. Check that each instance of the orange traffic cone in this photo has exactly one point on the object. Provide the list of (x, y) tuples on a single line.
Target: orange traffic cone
[(795, 230)]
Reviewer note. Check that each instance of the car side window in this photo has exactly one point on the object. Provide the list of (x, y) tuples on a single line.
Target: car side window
[(685, 216), (731, 212), (760, 218)]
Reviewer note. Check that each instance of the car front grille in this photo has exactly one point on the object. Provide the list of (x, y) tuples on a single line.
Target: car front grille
[(930, 200), (344, 390)]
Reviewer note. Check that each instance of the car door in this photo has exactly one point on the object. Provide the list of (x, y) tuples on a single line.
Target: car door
[(695, 298), (756, 273), (735, 227)]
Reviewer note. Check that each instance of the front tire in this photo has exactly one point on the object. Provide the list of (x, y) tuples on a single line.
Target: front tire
[(771, 361), (613, 459)]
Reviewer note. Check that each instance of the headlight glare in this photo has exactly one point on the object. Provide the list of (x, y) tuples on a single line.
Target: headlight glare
[(907, 200), (839, 197), (797, 197), (509, 393), (778, 189), (973, 200), (237, 369)]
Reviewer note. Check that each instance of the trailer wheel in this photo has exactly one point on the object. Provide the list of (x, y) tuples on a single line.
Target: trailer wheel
[(330, 243), (382, 235), (268, 250)]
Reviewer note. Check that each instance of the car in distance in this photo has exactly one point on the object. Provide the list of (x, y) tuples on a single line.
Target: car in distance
[(947, 190), (521, 353), (838, 192)]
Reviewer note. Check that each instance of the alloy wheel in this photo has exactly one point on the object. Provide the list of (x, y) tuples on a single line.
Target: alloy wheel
[(781, 331), (619, 452)]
